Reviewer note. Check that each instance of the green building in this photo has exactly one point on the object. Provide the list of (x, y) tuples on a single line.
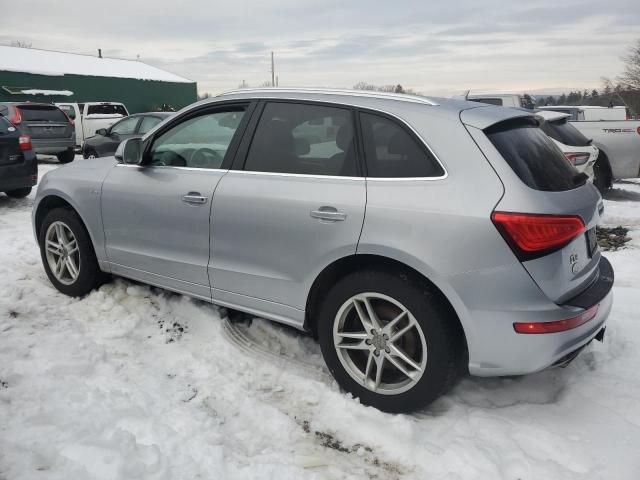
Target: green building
[(28, 74)]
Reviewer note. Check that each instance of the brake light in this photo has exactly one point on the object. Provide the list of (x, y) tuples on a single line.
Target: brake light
[(16, 118), (579, 158), (25, 142), (558, 325), (535, 235)]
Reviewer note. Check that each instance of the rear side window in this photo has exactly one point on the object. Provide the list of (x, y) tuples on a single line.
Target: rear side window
[(564, 132), (303, 139), (391, 152), (533, 156), (106, 110), (4, 125), (41, 113)]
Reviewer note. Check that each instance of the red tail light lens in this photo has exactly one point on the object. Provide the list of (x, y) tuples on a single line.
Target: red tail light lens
[(578, 158), (531, 235), (16, 118), (25, 142), (558, 325)]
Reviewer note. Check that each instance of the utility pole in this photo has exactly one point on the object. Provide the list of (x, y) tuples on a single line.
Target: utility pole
[(273, 72)]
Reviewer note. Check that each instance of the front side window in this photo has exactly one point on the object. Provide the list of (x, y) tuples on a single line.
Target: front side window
[(126, 126), (303, 139), (391, 152), (199, 142)]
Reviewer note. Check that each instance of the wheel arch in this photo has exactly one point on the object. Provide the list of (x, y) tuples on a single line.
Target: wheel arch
[(345, 265), (58, 200)]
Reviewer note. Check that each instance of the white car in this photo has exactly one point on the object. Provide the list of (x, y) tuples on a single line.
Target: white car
[(575, 146), (89, 117)]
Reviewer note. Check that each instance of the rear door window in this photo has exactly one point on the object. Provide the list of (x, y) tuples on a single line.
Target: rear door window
[(42, 113), (564, 132), (391, 152), (533, 156), (106, 110), (303, 139)]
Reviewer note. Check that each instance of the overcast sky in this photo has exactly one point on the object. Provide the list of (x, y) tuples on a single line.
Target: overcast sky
[(433, 47)]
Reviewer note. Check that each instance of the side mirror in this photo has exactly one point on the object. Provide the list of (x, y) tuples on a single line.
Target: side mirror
[(130, 151), (102, 131)]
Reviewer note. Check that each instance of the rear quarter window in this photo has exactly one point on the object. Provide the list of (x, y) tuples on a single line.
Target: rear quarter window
[(533, 156)]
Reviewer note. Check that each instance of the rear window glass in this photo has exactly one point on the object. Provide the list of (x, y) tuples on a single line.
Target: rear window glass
[(533, 156), (564, 132), (41, 113), (106, 110)]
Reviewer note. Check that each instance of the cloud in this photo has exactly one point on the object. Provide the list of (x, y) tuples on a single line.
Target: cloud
[(439, 48)]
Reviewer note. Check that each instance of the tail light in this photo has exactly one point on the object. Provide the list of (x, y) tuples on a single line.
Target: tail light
[(579, 158), (535, 235), (25, 142), (558, 325), (16, 117)]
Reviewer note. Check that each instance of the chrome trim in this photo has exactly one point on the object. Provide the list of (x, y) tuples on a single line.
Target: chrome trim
[(301, 175), (337, 91), (173, 167)]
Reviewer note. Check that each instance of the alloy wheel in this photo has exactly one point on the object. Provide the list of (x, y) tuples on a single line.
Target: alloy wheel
[(62, 253), (380, 343)]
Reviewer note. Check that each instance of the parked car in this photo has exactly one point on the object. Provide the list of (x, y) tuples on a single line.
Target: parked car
[(590, 113), (443, 236), (50, 130), (90, 117), (512, 100), (18, 164), (575, 146), (106, 140)]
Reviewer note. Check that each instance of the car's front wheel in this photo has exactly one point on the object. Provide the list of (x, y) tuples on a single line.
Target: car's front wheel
[(67, 253), (388, 340)]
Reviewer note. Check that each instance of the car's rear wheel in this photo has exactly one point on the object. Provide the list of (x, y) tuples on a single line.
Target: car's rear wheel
[(66, 156), (388, 340), (67, 253), (19, 192)]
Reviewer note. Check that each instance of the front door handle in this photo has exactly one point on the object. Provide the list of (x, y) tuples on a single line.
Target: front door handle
[(328, 214), (194, 198)]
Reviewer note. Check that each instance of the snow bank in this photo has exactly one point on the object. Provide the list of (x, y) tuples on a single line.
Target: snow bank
[(133, 382), (34, 91)]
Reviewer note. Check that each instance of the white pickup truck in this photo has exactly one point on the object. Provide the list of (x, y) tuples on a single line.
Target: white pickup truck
[(92, 116)]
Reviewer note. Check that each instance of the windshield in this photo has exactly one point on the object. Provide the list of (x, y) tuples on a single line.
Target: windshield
[(107, 110), (41, 113)]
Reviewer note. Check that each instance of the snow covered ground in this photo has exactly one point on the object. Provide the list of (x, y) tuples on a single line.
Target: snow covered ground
[(134, 382)]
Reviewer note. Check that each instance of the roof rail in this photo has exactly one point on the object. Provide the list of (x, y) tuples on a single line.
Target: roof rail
[(335, 91)]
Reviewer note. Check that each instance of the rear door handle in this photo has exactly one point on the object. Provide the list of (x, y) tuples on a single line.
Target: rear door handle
[(194, 198), (328, 214)]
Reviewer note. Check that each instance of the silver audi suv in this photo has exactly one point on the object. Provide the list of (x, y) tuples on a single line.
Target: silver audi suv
[(418, 239)]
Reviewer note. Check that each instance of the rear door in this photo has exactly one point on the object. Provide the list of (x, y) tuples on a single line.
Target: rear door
[(295, 205), (43, 122), (10, 152)]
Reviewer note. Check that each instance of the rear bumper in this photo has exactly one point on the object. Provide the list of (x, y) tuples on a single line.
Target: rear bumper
[(19, 175), (52, 145), (511, 353)]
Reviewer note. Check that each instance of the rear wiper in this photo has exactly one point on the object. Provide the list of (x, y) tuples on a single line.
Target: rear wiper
[(580, 179)]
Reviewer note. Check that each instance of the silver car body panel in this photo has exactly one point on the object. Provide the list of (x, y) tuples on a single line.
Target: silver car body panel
[(256, 247)]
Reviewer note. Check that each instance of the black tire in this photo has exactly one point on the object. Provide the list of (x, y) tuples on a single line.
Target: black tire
[(19, 192), (90, 276), (67, 156), (88, 152), (601, 179), (445, 345)]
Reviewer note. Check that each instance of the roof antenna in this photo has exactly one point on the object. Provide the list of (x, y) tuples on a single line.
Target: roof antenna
[(99, 53)]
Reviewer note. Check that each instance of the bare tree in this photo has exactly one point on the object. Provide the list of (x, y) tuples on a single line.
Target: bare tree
[(21, 44), (630, 79)]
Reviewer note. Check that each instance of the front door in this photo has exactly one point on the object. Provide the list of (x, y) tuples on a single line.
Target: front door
[(156, 216), (297, 205)]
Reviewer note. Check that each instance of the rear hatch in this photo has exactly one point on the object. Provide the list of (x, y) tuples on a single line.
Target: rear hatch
[(549, 212), (43, 122), (10, 152)]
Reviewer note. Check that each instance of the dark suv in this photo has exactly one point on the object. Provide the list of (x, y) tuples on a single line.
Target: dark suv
[(50, 130), (18, 165)]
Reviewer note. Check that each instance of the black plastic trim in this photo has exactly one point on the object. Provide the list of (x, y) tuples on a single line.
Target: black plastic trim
[(599, 289)]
